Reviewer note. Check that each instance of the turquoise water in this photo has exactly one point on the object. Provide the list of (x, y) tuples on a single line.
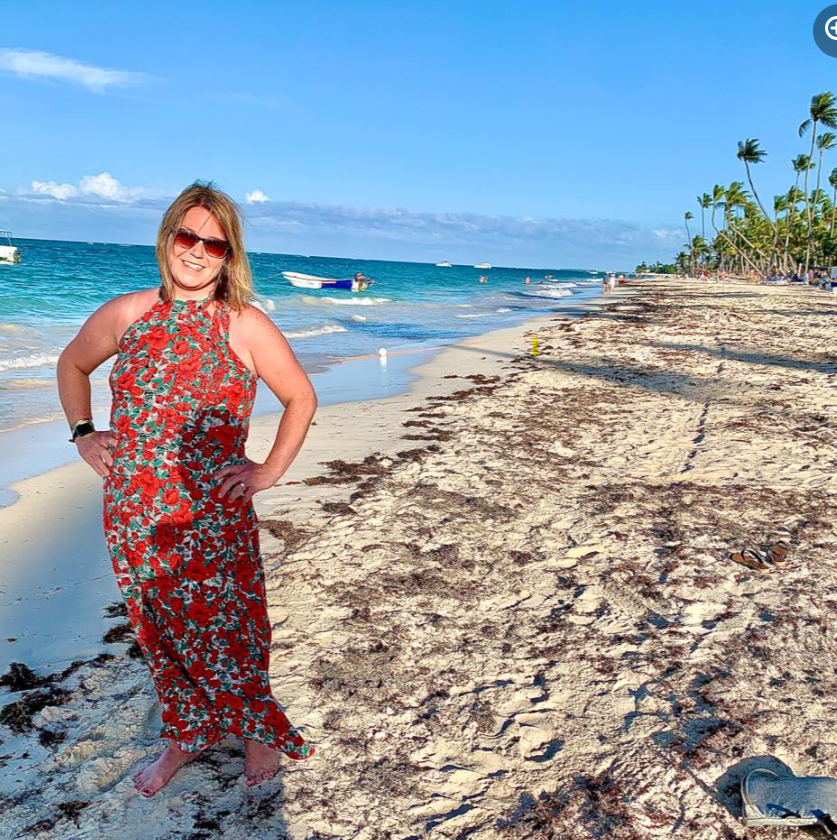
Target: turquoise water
[(45, 299)]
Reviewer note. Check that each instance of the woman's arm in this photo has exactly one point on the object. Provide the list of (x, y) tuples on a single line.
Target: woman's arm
[(94, 344), (277, 365)]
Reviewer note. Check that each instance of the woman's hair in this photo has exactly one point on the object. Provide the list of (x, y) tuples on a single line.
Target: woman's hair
[(235, 281)]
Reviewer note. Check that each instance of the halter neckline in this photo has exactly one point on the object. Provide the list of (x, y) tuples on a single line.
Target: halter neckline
[(187, 301)]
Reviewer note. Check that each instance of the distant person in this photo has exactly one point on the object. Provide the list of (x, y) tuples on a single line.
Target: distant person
[(483, 278), (527, 280)]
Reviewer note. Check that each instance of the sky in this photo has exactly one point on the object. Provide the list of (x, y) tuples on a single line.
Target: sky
[(551, 134)]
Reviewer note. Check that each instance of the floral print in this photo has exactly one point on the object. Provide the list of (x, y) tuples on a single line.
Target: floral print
[(187, 561)]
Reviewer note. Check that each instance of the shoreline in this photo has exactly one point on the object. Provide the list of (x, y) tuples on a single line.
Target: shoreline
[(71, 553), (38, 445)]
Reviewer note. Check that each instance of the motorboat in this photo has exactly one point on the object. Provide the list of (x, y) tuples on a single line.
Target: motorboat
[(311, 281), (482, 265), (444, 264), (8, 252)]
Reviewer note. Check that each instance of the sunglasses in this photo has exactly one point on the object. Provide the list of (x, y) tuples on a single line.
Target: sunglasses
[(217, 248)]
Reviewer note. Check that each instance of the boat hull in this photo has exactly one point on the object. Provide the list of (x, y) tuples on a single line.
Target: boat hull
[(9, 254), (311, 281)]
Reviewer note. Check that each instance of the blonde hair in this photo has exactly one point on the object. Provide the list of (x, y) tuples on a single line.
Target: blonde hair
[(235, 280)]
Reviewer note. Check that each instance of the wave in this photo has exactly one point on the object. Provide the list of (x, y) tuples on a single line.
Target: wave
[(17, 329), (503, 309), (313, 333), (359, 317), (547, 293), (320, 301), (475, 315), (24, 383), (33, 361)]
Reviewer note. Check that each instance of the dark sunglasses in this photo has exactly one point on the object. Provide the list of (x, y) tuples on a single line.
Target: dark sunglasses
[(216, 248)]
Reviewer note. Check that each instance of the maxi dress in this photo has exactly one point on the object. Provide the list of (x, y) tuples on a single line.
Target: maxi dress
[(187, 561)]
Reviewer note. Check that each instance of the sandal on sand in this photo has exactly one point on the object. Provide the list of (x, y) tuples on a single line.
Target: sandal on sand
[(750, 559), (772, 800), (778, 552)]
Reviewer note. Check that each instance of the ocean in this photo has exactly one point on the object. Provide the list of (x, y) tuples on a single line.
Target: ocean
[(45, 299)]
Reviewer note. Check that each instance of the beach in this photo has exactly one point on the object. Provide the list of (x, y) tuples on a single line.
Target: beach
[(502, 603)]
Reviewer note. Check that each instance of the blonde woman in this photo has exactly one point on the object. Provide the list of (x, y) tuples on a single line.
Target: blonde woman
[(178, 515)]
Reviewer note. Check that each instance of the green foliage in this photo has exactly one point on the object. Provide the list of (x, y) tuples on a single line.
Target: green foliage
[(747, 239)]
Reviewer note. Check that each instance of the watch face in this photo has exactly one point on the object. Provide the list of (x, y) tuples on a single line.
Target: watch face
[(83, 429)]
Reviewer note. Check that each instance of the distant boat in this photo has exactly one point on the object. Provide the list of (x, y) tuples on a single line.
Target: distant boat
[(8, 252), (311, 281), (482, 265), (443, 264)]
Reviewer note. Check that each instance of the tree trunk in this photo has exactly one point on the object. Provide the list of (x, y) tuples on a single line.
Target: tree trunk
[(808, 197)]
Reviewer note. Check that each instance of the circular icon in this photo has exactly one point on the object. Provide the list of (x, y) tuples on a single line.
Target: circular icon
[(825, 30)]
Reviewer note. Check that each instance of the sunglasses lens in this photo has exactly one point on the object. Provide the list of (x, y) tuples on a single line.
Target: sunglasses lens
[(184, 239), (216, 248)]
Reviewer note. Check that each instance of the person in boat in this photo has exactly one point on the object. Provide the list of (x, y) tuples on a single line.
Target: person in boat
[(360, 281)]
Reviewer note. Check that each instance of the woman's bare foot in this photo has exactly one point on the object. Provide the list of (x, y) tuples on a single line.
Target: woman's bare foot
[(158, 774), (261, 763)]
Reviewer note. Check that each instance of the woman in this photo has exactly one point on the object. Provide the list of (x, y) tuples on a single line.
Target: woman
[(180, 525)]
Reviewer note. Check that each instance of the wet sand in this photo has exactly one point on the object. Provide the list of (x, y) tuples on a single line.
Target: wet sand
[(518, 618)]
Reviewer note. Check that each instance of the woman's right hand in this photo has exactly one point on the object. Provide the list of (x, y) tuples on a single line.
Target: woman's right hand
[(95, 449)]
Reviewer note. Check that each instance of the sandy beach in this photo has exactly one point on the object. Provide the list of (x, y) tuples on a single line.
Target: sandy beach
[(502, 604)]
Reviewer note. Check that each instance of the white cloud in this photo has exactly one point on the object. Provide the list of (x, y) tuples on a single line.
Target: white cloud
[(29, 64), (389, 232), (666, 233), (256, 197), (103, 185), (59, 191)]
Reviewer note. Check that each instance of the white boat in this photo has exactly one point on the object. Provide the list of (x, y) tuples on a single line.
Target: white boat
[(483, 265), (443, 264), (311, 281), (8, 252)]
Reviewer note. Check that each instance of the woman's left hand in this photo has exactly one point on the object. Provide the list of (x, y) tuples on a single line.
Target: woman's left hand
[(243, 481)]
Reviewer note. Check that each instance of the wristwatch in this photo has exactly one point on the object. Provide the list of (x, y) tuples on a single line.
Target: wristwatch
[(82, 427)]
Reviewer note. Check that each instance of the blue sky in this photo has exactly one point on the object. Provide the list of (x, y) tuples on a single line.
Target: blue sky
[(540, 133)]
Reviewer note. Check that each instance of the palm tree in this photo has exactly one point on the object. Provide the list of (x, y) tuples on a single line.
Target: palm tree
[(832, 179), (801, 163), (825, 141), (749, 152), (687, 218), (823, 110), (730, 198), (705, 202)]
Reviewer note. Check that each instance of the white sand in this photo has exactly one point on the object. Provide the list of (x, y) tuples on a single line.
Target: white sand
[(529, 628)]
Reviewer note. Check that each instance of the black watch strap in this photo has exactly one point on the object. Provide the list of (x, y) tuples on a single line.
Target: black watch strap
[(82, 429)]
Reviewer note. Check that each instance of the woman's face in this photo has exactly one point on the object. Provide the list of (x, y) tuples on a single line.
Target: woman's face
[(192, 268)]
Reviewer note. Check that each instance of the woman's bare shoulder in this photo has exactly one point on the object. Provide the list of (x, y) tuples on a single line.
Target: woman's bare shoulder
[(131, 305)]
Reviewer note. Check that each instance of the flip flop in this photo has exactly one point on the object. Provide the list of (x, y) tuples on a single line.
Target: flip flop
[(778, 553), (750, 559)]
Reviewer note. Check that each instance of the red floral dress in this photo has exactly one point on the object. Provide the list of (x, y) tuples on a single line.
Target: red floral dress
[(187, 561)]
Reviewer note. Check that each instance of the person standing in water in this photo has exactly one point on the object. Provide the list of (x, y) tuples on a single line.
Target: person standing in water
[(179, 521)]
